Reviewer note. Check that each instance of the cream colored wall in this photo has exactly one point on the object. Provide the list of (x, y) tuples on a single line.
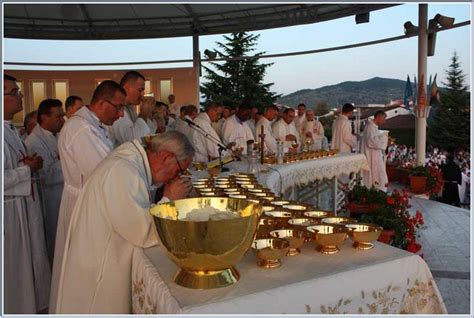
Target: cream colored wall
[(82, 83)]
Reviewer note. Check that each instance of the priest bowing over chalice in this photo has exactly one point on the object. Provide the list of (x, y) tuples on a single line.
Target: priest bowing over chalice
[(111, 218)]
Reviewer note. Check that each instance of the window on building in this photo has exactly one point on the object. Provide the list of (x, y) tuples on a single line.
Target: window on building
[(165, 90), (38, 93), (148, 90), (60, 90), (19, 117)]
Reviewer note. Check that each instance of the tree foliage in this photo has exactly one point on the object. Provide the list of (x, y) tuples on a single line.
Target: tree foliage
[(236, 81), (449, 127)]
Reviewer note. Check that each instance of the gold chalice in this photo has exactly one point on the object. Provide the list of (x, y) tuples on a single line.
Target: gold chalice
[(238, 196), (265, 226), (328, 238), (316, 215), (296, 209), (363, 234), (270, 251), (280, 217), (206, 251), (266, 208), (202, 186), (280, 203), (302, 224), (250, 186), (336, 220), (294, 237)]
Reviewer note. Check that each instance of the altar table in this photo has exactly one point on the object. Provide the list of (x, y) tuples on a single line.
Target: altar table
[(384, 280)]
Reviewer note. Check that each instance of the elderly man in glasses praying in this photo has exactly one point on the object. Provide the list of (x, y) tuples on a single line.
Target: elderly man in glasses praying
[(111, 218)]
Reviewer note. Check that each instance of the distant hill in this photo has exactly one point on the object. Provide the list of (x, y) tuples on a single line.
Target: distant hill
[(376, 90)]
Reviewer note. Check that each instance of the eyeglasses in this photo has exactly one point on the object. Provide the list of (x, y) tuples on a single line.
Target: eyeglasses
[(14, 92), (119, 108), (182, 172)]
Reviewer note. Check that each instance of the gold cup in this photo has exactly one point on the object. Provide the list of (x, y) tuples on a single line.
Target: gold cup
[(336, 220), (294, 237), (265, 226), (280, 217), (363, 234), (270, 251), (317, 215), (328, 238), (301, 224), (280, 203), (206, 251)]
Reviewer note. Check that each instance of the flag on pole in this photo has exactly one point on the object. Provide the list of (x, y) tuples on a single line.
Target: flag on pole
[(422, 98), (408, 93), (434, 96), (415, 93)]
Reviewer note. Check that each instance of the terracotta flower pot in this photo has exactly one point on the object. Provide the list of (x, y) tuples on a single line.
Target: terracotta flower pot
[(386, 236), (418, 184)]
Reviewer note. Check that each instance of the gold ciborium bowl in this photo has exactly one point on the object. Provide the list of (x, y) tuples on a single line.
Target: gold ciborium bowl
[(265, 226), (295, 208), (279, 203), (280, 218), (294, 237), (270, 251), (301, 224), (363, 234), (316, 215), (206, 251), (339, 220), (328, 237)]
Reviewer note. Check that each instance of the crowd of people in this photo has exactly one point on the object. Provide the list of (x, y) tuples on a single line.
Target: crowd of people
[(78, 183)]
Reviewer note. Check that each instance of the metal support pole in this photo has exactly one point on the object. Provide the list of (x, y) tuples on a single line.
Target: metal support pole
[(334, 195), (197, 67), (422, 106)]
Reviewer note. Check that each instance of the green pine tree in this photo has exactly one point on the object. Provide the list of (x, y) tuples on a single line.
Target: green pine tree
[(237, 81), (448, 127)]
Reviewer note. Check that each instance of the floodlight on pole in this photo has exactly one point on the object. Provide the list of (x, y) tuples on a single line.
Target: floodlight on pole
[(444, 21), (410, 29), (211, 55), (362, 17)]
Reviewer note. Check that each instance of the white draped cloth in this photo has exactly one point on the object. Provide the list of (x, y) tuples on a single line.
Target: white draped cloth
[(269, 141), (342, 137), (110, 218), (204, 147), (234, 130), (374, 143), (384, 280), (27, 270), (281, 129), (83, 144), (45, 144), (185, 128), (128, 127), (317, 133)]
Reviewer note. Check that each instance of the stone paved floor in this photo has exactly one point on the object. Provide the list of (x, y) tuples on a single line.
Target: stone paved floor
[(446, 247)]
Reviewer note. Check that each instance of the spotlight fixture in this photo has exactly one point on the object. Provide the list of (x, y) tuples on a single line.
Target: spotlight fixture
[(444, 21), (211, 55), (410, 29), (362, 17), (432, 25)]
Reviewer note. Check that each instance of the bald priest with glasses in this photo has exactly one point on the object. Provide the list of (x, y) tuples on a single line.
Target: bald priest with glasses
[(111, 218)]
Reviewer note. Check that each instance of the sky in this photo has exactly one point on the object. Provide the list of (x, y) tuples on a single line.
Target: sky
[(289, 74)]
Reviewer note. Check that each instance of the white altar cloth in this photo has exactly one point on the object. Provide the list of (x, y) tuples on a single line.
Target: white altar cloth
[(384, 280)]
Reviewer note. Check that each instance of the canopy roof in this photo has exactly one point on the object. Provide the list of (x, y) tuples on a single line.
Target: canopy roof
[(139, 21)]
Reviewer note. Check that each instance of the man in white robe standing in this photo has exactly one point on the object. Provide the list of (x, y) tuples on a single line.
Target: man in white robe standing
[(206, 147), (27, 272), (285, 130), (374, 143), (269, 115), (190, 113), (83, 144), (43, 141), (130, 126), (300, 119), (112, 217), (73, 104), (313, 130), (342, 137), (236, 130)]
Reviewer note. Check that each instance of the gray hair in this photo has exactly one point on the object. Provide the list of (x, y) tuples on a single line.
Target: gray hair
[(174, 142)]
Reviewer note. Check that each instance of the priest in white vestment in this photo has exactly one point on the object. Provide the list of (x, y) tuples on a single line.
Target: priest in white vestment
[(285, 130), (206, 147), (269, 115), (112, 217), (236, 130), (300, 119), (374, 143), (226, 113), (342, 137), (146, 113), (27, 271), (73, 104), (83, 144), (183, 126), (313, 130), (130, 126), (43, 141)]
